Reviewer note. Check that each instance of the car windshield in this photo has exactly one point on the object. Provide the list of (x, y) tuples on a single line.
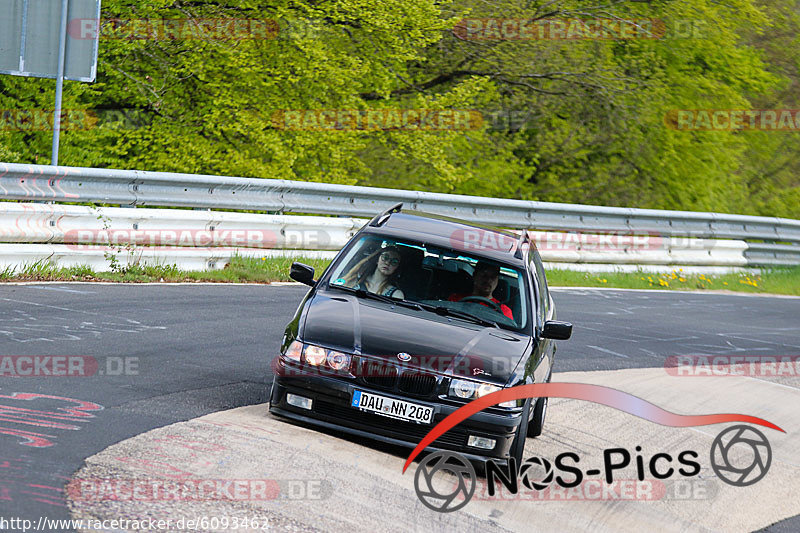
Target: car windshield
[(448, 282)]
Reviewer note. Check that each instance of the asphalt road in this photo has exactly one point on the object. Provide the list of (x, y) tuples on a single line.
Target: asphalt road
[(172, 353)]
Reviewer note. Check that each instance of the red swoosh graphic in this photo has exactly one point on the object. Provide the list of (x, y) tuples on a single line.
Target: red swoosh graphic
[(581, 391)]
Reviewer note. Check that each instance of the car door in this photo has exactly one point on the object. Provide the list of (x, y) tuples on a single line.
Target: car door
[(544, 312)]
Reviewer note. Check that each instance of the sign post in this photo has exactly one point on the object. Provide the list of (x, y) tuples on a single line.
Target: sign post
[(62, 56)]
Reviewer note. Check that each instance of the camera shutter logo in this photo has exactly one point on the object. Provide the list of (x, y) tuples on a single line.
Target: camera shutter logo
[(526, 472), (729, 453), (463, 489)]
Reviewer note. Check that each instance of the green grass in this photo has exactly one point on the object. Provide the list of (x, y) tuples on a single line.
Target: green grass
[(247, 270), (776, 281), (239, 270)]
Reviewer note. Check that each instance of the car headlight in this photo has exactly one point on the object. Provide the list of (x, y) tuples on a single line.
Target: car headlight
[(338, 360), (317, 356), (485, 388), (294, 351), (463, 389), (470, 390)]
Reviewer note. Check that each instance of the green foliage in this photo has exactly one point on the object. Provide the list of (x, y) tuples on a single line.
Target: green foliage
[(566, 120)]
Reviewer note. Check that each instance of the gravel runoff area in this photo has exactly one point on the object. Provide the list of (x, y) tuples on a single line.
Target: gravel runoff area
[(299, 479)]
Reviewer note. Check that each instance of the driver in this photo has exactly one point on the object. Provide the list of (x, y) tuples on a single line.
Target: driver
[(484, 282)]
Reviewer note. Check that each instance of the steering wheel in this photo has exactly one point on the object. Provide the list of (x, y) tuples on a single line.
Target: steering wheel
[(482, 300)]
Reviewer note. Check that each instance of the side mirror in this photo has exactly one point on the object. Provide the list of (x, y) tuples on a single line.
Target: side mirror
[(557, 330), (303, 274)]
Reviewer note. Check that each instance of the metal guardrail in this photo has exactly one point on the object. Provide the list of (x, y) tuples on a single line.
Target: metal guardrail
[(777, 239), (85, 225), (16, 257), (192, 239)]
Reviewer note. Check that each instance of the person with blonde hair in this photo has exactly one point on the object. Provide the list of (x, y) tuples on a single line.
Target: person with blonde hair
[(377, 273)]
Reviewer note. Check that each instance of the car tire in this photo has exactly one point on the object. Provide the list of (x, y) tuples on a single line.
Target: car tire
[(537, 424), (539, 412), (518, 444)]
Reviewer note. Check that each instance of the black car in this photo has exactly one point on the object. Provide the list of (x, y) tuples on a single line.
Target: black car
[(417, 315)]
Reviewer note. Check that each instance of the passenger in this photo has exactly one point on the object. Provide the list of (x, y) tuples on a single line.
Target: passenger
[(484, 282), (377, 273)]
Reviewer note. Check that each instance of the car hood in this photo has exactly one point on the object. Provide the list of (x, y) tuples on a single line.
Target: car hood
[(447, 345)]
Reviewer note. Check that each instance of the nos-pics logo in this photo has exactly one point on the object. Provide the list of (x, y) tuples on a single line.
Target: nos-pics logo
[(446, 481)]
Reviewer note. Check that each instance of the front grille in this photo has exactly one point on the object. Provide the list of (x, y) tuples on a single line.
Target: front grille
[(417, 383), (401, 429), (386, 375), (379, 374)]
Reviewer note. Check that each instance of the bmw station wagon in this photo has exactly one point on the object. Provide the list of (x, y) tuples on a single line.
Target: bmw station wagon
[(416, 316)]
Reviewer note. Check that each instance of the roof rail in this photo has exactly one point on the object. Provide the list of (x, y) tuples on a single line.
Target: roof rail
[(523, 238), (379, 219)]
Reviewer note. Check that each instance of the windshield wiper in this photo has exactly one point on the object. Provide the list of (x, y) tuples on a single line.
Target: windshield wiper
[(466, 316), (360, 293), (438, 309), (446, 311)]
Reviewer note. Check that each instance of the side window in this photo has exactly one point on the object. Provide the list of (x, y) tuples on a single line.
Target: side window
[(543, 294)]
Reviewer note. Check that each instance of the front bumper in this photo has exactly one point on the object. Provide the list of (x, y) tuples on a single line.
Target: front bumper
[(331, 409)]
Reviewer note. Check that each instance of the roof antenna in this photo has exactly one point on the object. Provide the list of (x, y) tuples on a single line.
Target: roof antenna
[(523, 238), (381, 218)]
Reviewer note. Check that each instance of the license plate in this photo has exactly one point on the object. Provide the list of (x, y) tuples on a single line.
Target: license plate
[(392, 407)]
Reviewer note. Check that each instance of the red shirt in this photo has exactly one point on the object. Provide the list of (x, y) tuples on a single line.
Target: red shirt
[(503, 307)]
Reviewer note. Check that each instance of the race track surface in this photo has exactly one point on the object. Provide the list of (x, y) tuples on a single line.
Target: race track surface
[(166, 354)]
